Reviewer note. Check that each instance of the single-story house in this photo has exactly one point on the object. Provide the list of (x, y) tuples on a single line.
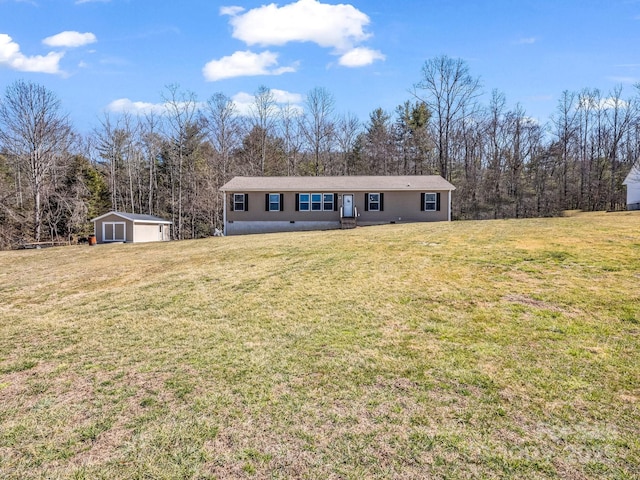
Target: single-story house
[(130, 228), (633, 188), (279, 204)]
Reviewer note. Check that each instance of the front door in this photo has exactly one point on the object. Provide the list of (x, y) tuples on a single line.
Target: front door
[(347, 205)]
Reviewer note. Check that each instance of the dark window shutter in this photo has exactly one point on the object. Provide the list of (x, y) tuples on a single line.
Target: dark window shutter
[(382, 202), (282, 202), (437, 202), (297, 202), (422, 202), (246, 202), (266, 202), (366, 202), (231, 202), (335, 202)]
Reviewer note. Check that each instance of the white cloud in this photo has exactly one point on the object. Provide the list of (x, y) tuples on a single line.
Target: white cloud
[(602, 103), (11, 56), (527, 121), (243, 64), (70, 39), (124, 105), (232, 11), (338, 26), (284, 97), (244, 102), (80, 2), (360, 57)]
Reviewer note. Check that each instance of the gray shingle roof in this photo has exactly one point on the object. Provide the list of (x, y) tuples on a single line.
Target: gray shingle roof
[(337, 184), (138, 217), (135, 217)]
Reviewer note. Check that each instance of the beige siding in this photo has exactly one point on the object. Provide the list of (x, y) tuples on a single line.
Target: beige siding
[(151, 232), (166, 232), (144, 232), (109, 220), (403, 206), (257, 211), (138, 232)]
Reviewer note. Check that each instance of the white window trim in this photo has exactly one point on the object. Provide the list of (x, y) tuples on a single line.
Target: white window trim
[(369, 202), (277, 195), (320, 202), (434, 202), (113, 231), (300, 202), (311, 202), (244, 207), (333, 197)]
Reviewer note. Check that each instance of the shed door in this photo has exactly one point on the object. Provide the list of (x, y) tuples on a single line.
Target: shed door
[(114, 232), (347, 205)]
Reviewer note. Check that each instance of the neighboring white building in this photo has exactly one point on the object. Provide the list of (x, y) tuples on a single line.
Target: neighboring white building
[(633, 188), (131, 228)]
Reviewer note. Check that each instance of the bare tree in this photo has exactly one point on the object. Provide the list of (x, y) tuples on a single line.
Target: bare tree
[(151, 144), (620, 115), (318, 125), (264, 112), (566, 129), (113, 144), (290, 130), (450, 92), (34, 131), (184, 132), (224, 131), (347, 130)]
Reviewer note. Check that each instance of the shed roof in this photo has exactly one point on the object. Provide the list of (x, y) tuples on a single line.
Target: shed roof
[(135, 217), (338, 184)]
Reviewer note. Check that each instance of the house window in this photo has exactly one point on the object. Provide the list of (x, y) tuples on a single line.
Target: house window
[(304, 202), (240, 202), (315, 202), (430, 202), (274, 202), (373, 202), (327, 201)]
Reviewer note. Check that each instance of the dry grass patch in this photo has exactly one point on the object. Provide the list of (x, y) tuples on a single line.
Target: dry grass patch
[(500, 349)]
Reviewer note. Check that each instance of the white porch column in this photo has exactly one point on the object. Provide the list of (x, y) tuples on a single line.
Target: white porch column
[(224, 214)]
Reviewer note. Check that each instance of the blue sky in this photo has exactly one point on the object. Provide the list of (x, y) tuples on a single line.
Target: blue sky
[(110, 55)]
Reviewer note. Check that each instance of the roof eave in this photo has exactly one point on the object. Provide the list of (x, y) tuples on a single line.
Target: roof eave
[(164, 222), (124, 217)]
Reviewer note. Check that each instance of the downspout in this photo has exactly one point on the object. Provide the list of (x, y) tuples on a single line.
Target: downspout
[(224, 214), (449, 215)]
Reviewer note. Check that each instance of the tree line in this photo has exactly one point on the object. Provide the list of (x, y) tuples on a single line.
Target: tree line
[(172, 162)]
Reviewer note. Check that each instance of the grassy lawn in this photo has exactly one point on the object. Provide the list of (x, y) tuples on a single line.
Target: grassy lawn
[(495, 349)]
